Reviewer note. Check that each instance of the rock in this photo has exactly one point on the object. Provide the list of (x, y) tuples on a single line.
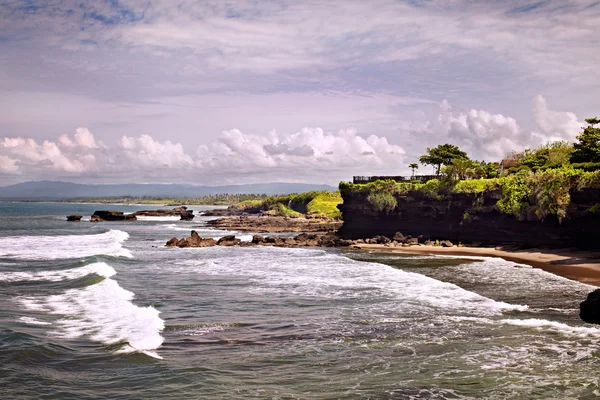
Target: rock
[(172, 242), (360, 241), (343, 242), (428, 243), (74, 218), (381, 239), (183, 243), (589, 309), (111, 215), (182, 211), (95, 218), (328, 240), (258, 239), (399, 237), (412, 241), (446, 243), (193, 241), (229, 240)]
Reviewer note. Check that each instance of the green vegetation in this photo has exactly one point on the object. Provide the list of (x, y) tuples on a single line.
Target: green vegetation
[(444, 154), (527, 195), (588, 147), (316, 204)]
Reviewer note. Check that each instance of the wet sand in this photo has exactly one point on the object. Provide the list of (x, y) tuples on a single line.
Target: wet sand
[(582, 266)]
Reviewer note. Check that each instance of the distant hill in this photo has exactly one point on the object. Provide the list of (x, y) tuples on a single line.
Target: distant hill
[(67, 190)]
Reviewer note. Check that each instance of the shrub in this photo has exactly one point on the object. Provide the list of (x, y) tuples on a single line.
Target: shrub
[(382, 201)]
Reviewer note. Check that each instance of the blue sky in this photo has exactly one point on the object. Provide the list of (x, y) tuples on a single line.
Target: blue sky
[(234, 91)]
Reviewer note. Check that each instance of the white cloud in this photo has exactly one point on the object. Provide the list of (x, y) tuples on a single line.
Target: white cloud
[(310, 154), (553, 125), (488, 136)]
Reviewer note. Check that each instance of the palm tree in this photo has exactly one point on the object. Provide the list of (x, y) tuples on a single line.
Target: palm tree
[(413, 166)]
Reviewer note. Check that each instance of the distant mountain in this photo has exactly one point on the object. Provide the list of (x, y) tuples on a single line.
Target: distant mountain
[(67, 190)]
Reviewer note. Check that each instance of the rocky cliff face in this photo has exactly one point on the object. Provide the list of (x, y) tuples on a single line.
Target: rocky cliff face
[(472, 218)]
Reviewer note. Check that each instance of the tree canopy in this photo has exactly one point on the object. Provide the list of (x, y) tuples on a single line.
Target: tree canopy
[(443, 154), (587, 149)]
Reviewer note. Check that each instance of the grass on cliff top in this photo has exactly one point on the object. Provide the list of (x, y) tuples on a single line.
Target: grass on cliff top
[(322, 204), (527, 195)]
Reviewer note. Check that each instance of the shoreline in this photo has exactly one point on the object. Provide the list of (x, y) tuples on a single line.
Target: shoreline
[(579, 265)]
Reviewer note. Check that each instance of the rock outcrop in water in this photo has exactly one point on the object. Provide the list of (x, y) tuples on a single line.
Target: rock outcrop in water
[(589, 309), (267, 223), (301, 240), (183, 212), (74, 218), (111, 215)]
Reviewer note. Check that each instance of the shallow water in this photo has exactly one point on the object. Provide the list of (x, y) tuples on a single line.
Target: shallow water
[(106, 311)]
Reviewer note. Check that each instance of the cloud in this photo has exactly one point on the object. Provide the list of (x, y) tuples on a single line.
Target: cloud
[(488, 136), (305, 155), (553, 125)]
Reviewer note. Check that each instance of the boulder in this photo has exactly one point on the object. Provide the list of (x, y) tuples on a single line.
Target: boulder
[(111, 215), (182, 211), (412, 241), (446, 243), (95, 218), (399, 237), (381, 239), (229, 240), (74, 218), (258, 239), (172, 242), (589, 309)]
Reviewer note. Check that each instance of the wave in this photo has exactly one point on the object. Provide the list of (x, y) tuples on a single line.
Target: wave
[(64, 246), (100, 268), (103, 312), (320, 273)]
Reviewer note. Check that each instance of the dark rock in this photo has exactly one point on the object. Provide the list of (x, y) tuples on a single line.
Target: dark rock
[(412, 241), (95, 218), (182, 211), (258, 239), (229, 240), (399, 237), (428, 243), (74, 218), (382, 239), (111, 215), (343, 242), (446, 243), (589, 309), (172, 242)]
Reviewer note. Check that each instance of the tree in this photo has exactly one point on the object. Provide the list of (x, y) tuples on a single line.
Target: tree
[(443, 154), (588, 147), (413, 166)]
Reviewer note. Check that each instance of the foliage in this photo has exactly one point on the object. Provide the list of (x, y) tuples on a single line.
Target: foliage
[(543, 193), (476, 185), (587, 149), (587, 166), (382, 202), (413, 166), (443, 154), (322, 204), (283, 211)]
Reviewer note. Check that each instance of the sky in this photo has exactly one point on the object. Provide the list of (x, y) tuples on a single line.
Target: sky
[(232, 92)]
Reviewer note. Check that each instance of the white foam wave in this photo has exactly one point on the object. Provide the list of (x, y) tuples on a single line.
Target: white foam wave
[(32, 321), (65, 246), (308, 272), (104, 312), (99, 268), (559, 327), (149, 218)]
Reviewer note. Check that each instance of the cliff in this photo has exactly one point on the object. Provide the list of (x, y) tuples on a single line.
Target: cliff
[(488, 212)]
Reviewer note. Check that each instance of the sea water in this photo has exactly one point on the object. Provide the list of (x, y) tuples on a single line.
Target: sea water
[(105, 310)]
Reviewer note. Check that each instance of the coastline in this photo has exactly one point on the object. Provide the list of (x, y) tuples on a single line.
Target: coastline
[(579, 265)]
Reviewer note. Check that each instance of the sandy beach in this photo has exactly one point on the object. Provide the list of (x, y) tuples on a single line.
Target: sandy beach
[(582, 266)]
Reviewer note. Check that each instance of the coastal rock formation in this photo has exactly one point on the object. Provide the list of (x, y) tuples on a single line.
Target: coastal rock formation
[(266, 223), (229, 240), (74, 218), (469, 218), (193, 241), (182, 211), (111, 215), (589, 309), (95, 218)]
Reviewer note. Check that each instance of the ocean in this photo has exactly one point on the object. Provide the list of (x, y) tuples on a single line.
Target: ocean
[(106, 311)]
